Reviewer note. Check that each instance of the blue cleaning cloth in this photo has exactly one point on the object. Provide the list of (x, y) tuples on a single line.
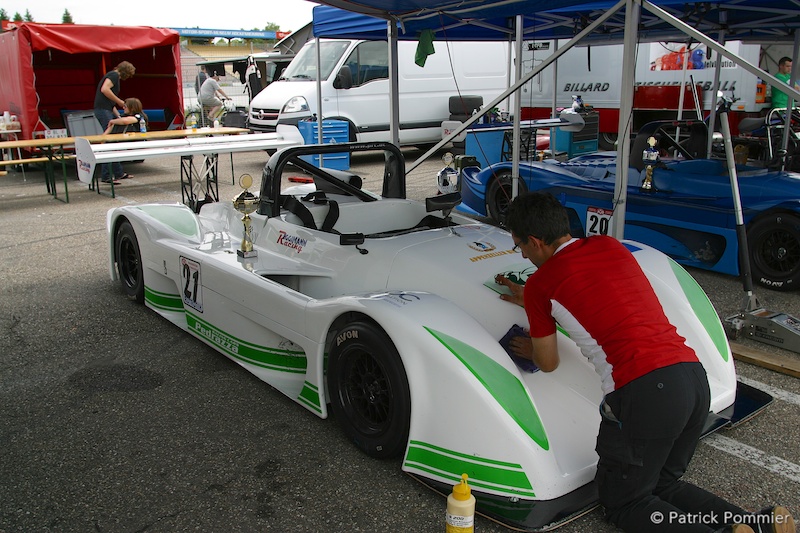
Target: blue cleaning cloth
[(525, 365)]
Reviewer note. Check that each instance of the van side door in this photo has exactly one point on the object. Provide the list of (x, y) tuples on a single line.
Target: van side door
[(366, 102)]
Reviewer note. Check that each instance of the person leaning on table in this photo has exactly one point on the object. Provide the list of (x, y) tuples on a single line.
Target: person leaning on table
[(656, 391), (106, 101), (128, 121)]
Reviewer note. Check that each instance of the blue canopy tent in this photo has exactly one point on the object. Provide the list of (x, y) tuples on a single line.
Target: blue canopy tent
[(626, 21)]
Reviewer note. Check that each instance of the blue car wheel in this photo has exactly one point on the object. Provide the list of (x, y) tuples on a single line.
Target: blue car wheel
[(774, 243)]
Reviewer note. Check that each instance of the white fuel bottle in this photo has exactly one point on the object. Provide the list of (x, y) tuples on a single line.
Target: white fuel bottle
[(461, 508)]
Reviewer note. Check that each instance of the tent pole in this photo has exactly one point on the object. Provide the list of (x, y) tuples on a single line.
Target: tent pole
[(394, 84), (632, 11), (515, 147)]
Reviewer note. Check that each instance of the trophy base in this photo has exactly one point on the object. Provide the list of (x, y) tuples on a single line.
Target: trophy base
[(251, 253)]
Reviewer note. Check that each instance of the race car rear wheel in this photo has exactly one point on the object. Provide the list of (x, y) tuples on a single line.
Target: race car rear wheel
[(774, 245), (129, 262), (498, 197), (369, 390)]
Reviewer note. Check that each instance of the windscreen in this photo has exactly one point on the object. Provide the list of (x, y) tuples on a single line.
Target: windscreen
[(304, 66)]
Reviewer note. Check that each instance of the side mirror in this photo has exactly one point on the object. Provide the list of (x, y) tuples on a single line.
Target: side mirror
[(344, 78)]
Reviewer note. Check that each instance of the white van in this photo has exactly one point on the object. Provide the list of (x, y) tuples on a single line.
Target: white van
[(355, 87)]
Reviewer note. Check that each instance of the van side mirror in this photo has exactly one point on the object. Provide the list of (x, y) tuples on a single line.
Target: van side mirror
[(344, 78)]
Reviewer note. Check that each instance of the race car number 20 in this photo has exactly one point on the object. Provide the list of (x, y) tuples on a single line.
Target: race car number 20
[(192, 288), (598, 220)]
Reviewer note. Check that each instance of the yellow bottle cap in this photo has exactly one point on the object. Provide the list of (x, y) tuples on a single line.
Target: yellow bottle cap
[(462, 490)]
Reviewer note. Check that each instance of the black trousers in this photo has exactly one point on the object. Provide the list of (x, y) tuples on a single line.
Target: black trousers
[(648, 434)]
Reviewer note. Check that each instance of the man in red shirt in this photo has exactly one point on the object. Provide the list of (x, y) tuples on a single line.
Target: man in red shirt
[(656, 394)]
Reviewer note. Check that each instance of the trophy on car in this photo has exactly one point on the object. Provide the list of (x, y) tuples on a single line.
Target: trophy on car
[(246, 202)]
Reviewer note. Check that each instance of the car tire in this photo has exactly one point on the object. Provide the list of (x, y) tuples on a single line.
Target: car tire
[(774, 247), (498, 197), (369, 390), (607, 141), (129, 262)]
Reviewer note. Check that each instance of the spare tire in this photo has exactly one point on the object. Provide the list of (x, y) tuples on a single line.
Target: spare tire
[(465, 105)]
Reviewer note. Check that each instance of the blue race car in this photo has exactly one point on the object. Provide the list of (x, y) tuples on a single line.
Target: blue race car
[(685, 210)]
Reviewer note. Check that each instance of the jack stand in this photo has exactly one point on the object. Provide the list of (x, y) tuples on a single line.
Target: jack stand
[(777, 329), (769, 327)]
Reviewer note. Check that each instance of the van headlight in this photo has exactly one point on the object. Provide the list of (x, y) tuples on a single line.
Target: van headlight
[(296, 104)]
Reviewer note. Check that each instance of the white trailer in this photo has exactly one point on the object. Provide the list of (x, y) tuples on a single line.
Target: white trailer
[(595, 73)]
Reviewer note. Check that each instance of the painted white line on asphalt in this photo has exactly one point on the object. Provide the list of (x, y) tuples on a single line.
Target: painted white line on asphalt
[(778, 394), (755, 456)]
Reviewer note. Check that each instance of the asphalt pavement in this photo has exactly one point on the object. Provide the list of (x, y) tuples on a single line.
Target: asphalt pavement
[(114, 420)]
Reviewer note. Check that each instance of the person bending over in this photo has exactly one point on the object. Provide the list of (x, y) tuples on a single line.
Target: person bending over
[(656, 391)]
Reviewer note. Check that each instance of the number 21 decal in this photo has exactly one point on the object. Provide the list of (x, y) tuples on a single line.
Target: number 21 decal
[(192, 288), (598, 220)]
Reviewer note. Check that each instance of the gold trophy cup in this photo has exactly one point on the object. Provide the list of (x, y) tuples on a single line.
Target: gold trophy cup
[(246, 202)]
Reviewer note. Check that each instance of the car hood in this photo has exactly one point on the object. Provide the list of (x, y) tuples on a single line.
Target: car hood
[(460, 265)]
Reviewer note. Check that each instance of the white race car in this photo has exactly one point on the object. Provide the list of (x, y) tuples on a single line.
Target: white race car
[(384, 310)]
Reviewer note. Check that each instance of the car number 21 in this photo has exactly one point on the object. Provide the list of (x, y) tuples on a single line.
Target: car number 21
[(598, 220), (191, 286)]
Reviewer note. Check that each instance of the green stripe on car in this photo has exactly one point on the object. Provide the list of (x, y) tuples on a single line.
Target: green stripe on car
[(505, 387)]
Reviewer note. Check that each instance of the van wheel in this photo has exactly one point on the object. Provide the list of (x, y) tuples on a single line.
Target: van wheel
[(369, 390)]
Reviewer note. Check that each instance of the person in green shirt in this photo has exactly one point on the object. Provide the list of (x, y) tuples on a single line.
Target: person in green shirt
[(779, 98)]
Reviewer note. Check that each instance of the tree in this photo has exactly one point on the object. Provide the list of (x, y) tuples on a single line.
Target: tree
[(3, 14), (66, 18), (17, 17), (28, 16)]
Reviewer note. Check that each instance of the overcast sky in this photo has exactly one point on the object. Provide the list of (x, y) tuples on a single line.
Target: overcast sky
[(290, 15)]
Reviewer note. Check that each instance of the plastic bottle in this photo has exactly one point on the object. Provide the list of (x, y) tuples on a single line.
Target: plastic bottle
[(191, 123), (461, 508), (216, 123), (142, 125)]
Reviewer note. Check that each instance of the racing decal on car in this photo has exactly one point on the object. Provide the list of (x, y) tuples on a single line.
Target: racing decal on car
[(598, 220), (399, 299), (309, 397), (479, 246), (506, 388), (498, 476), (292, 241), (294, 362), (190, 282), (163, 301), (491, 254)]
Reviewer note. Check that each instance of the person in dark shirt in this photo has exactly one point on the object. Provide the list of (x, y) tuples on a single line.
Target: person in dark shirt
[(106, 104)]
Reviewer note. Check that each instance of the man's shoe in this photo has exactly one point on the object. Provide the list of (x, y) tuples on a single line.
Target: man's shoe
[(775, 519)]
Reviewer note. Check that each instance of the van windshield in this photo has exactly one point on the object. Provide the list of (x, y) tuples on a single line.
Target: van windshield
[(304, 66)]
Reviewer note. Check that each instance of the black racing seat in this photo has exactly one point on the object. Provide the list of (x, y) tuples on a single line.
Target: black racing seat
[(299, 209)]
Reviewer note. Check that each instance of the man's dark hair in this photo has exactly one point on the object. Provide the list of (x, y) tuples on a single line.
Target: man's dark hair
[(539, 215), (783, 60)]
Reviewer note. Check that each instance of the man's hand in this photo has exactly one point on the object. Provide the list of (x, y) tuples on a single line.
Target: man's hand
[(522, 347), (516, 289)]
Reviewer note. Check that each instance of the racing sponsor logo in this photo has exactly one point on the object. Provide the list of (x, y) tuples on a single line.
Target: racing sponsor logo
[(346, 336), (480, 246), (399, 299), (490, 255), (586, 87), (216, 337), (292, 241)]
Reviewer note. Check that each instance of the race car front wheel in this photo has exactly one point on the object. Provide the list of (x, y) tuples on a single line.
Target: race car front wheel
[(369, 390), (498, 197), (129, 262), (774, 245)]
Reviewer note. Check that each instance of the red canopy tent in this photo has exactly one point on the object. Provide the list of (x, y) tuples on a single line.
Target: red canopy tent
[(48, 69)]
